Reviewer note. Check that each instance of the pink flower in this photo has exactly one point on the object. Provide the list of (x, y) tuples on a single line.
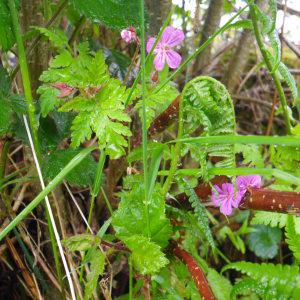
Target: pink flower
[(245, 182), (65, 90), (225, 198), (129, 35), (163, 51)]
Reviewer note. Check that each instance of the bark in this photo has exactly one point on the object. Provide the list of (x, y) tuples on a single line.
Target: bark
[(239, 58), (32, 15), (211, 24), (195, 271), (158, 11)]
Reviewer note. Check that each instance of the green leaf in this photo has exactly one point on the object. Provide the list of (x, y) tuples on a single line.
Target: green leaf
[(6, 111), (220, 285), (82, 175), (81, 242), (264, 241), (49, 99), (146, 256), (269, 218), (56, 36), (99, 105), (200, 213), (130, 218), (292, 237), (278, 279), (97, 263), (117, 14), (7, 37), (289, 80), (248, 284), (208, 105), (252, 154)]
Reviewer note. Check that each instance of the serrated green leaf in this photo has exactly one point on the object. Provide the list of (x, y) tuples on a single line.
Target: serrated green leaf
[(292, 237), (55, 35), (82, 175), (264, 241), (220, 285), (7, 37), (117, 14), (81, 242), (49, 99), (146, 256), (269, 218), (97, 263), (130, 218), (6, 111)]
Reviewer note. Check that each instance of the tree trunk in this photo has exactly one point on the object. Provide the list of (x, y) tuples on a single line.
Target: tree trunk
[(158, 11), (211, 24), (239, 59), (32, 15)]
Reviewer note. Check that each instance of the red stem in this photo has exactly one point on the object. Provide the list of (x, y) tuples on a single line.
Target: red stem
[(196, 273)]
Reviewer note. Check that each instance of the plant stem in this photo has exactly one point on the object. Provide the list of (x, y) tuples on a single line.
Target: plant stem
[(243, 139), (144, 116), (32, 119), (263, 50), (130, 278), (25, 76), (97, 184), (50, 187)]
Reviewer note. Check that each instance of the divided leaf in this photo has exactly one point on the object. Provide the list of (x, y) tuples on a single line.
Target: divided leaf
[(81, 242), (146, 256)]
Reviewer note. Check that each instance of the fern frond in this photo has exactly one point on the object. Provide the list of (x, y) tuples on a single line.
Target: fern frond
[(248, 284), (200, 213), (292, 237), (269, 219), (208, 105), (288, 79), (280, 279)]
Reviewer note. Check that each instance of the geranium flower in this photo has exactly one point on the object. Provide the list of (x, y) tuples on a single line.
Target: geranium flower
[(226, 198), (245, 182), (163, 51), (64, 89), (129, 35)]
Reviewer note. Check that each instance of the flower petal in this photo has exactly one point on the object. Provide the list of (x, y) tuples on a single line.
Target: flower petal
[(150, 44), (172, 37), (159, 60), (245, 182), (226, 208), (173, 59)]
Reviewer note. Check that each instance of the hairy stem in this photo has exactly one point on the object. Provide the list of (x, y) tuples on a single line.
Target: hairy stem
[(269, 64)]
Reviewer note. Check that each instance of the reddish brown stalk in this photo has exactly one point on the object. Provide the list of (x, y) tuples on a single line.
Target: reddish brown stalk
[(272, 200), (196, 273), (166, 118), (257, 199)]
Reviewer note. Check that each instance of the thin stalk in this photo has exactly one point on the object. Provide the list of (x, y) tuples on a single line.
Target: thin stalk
[(49, 188), (25, 76), (269, 64), (138, 77), (144, 116), (33, 125), (243, 139), (96, 185), (107, 202), (201, 48), (130, 278)]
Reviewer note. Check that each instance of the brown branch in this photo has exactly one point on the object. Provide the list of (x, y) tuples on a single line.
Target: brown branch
[(195, 271), (290, 10), (292, 46), (272, 200)]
